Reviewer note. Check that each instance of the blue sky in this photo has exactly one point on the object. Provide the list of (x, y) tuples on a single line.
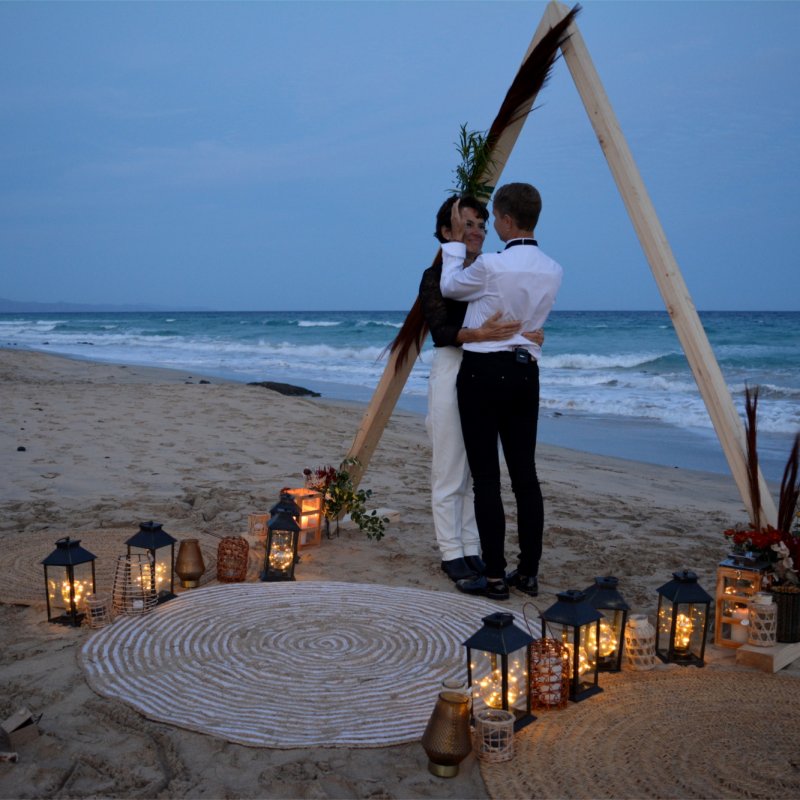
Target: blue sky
[(292, 155)]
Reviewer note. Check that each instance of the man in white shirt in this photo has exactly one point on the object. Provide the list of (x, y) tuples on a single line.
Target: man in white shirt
[(498, 382)]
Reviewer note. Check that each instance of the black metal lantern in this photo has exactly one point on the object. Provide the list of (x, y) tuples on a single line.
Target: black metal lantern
[(682, 621), (498, 665), (68, 591), (603, 596), (283, 533), (574, 622), (152, 537)]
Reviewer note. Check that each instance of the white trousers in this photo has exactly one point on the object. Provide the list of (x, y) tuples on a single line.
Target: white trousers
[(451, 484)]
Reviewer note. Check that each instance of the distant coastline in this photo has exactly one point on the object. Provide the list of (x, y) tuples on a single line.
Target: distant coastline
[(29, 307)]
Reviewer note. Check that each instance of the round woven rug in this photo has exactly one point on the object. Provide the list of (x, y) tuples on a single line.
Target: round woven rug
[(669, 733), (23, 580), (290, 664)]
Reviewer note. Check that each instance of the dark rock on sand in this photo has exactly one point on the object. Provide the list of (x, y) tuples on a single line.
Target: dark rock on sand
[(286, 388)]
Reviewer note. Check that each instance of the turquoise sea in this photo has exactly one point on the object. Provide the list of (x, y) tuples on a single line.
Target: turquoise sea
[(615, 383)]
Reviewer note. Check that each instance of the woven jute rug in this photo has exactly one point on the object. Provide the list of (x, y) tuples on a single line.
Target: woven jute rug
[(670, 733), (289, 664), (23, 578)]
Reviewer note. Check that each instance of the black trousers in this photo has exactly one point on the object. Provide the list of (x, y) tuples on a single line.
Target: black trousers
[(498, 396)]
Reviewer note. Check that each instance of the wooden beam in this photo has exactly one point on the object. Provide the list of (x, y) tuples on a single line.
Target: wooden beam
[(685, 319), (393, 380)]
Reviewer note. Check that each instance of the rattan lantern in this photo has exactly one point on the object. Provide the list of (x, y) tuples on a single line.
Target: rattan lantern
[(133, 593), (99, 610), (283, 532), (310, 520), (498, 665), (739, 577), (549, 675), (763, 620), (152, 538), (69, 583), (232, 559), (604, 596), (682, 621), (573, 621)]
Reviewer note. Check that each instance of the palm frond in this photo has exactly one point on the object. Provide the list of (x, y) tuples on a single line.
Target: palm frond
[(475, 147), (531, 78), (476, 158)]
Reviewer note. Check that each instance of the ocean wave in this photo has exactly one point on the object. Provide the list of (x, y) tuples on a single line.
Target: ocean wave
[(594, 361), (310, 323), (372, 323)]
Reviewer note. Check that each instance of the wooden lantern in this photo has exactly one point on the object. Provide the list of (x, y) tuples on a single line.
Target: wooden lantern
[(74, 579), (310, 520), (739, 577)]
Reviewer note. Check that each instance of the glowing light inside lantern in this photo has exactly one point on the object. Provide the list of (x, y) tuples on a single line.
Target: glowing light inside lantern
[(489, 688), (146, 578), (608, 639), (584, 662), (683, 632), (281, 553), (80, 588)]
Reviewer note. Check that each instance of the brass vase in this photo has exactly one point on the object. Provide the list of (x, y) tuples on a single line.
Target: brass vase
[(446, 739), (189, 565)]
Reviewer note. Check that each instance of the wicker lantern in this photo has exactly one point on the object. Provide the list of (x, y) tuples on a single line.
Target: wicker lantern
[(498, 665), (603, 596), (310, 520), (493, 735), (152, 537), (640, 643), (763, 620), (67, 590), (549, 675), (682, 621), (232, 559), (572, 621), (739, 577), (133, 593), (283, 534)]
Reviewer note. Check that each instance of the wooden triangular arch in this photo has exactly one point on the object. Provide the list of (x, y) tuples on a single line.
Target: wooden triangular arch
[(674, 292)]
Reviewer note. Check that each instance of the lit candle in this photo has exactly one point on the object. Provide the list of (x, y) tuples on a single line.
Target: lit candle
[(739, 626)]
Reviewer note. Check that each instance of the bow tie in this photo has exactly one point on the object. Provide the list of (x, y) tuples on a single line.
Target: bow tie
[(515, 242)]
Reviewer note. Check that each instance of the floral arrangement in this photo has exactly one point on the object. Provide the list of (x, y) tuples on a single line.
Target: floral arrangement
[(339, 496), (780, 547)]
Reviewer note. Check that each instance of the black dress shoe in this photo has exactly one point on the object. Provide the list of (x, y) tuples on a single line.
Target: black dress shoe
[(493, 589), (457, 569), (527, 584), (475, 563)]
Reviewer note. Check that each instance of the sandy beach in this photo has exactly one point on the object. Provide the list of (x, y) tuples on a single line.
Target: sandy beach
[(107, 447)]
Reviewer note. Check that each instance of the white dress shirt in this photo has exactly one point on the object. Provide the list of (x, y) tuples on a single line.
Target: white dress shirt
[(521, 282)]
